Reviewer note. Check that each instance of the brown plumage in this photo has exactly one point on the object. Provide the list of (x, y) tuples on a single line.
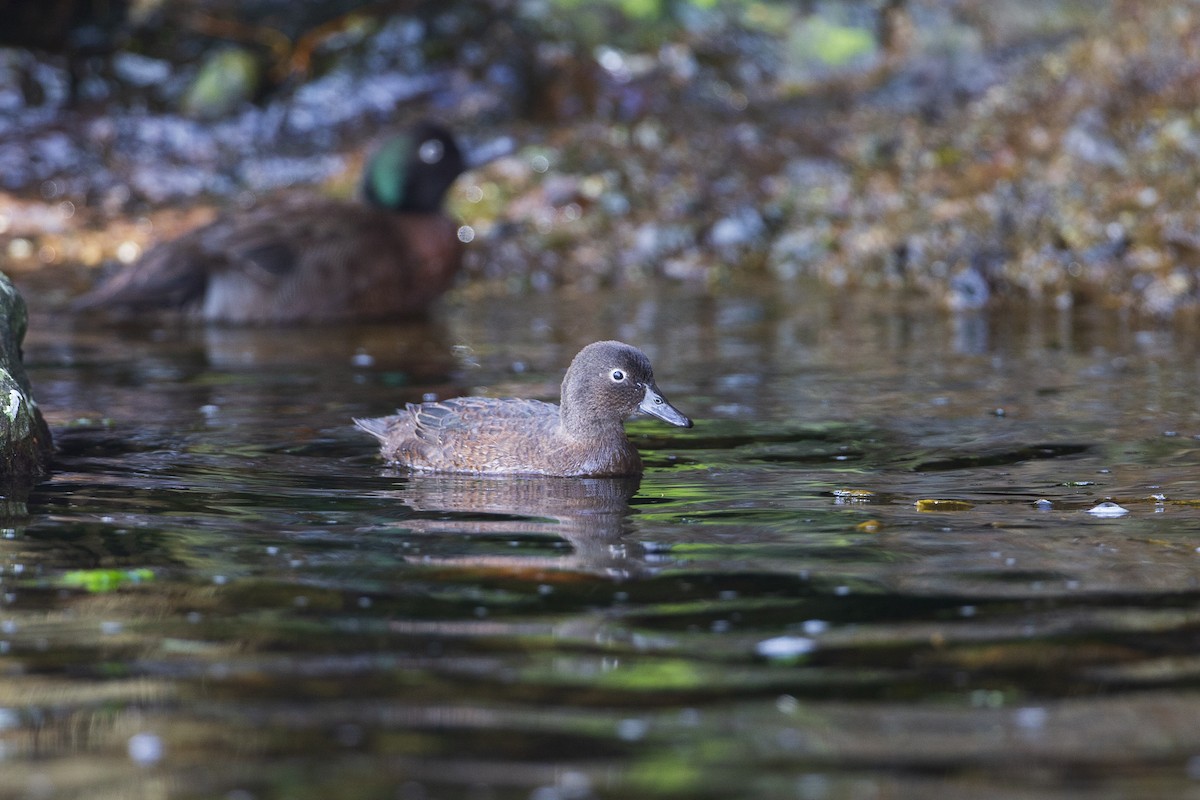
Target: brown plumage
[(307, 258), (584, 436)]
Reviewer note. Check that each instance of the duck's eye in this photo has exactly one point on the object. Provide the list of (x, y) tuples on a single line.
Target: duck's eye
[(431, 151), (617, 375)]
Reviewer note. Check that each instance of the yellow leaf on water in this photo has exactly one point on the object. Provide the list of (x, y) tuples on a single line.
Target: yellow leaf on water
[(930, 504)]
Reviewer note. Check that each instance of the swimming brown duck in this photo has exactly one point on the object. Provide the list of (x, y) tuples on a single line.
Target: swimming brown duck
[(301, 258), (584, 436)]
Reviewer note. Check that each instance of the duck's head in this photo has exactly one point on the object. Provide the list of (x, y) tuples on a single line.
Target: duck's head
[(412, 172), (609, 381)]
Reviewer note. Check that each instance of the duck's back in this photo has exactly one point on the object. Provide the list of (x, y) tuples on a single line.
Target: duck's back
[(298, 258), (496, 436)]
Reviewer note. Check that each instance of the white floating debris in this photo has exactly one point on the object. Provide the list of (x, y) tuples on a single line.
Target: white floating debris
[(814, 627), (145, 749), (785, 647), (1108, 509)]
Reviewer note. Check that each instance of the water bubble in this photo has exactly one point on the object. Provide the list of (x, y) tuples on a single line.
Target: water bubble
[(1108, 509), (466, 234), (785, 647)]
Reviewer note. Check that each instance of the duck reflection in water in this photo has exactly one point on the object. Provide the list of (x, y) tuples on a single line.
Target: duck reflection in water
[(591, 514)]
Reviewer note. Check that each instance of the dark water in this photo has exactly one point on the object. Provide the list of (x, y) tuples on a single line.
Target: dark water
[(222, 593)]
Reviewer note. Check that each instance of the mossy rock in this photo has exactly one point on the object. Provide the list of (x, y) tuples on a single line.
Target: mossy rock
[(25, 444)]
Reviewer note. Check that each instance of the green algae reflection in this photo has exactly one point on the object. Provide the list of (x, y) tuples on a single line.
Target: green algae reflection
[(105, 580)]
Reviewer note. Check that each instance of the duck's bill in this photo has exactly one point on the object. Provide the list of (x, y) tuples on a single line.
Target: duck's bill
[(656, 405)]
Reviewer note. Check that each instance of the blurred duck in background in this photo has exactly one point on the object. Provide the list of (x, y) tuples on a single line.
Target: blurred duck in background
[(305, 258)]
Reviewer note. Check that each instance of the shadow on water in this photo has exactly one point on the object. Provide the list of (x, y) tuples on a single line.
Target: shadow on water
[(869, 570)]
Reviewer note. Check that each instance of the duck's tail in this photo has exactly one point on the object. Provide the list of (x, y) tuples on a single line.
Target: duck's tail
[(376, 426)]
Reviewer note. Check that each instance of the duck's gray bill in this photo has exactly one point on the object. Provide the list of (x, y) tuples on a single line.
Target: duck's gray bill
[(656, 405)]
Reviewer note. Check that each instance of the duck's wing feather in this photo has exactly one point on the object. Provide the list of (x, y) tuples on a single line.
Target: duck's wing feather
[(170, 275), (479, 419), (268, 246)]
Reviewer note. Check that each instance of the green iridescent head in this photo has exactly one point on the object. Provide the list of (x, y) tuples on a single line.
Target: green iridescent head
[(413, 172)]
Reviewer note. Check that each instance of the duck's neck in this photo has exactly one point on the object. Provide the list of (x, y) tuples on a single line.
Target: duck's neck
[(580, 419)]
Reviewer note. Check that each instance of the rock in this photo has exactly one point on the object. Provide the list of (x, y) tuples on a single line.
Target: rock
[(25, 444)]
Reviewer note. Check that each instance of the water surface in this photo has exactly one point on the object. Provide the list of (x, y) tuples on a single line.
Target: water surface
[(222, 593)]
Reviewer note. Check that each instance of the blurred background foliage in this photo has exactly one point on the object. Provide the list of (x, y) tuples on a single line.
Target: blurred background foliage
[(969, 150)]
